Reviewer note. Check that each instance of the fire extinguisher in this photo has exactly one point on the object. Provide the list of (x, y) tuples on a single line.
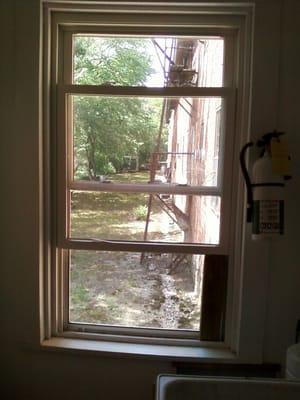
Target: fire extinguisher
[(265, 193)]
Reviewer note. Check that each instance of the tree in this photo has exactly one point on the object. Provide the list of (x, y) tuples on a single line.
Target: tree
[(108, 128)]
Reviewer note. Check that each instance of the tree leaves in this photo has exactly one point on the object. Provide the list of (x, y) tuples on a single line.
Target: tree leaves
[(122, 61), (106, 129)]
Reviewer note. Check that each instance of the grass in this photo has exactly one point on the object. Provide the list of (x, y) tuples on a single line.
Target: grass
[(134, 177), (114, 287), (140, 212), (104, 286), (111, 215)]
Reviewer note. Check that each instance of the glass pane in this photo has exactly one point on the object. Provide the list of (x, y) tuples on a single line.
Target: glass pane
[(134, 139), (148, 61), (143, 217), (136, 290)]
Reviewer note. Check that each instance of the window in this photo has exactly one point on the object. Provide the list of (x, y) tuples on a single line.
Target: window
[(143, 142)]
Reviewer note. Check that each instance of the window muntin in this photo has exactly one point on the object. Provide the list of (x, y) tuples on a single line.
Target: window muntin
[(67, 184)]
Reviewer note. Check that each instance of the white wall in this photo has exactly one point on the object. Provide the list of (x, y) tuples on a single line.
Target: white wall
[(276, 54), (284, 269)]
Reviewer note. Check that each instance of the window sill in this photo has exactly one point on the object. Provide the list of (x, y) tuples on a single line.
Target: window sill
[(132, 350)]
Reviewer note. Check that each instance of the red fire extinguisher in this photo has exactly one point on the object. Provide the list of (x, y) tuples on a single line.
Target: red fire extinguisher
[(265, 193)]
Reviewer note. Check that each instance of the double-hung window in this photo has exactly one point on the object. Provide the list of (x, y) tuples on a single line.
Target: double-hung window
[(144, 124)]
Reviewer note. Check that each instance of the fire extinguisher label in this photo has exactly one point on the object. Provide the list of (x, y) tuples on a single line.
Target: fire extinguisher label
[(268, 216)]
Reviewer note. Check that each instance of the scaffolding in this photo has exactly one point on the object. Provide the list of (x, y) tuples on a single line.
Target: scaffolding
[(171, 70)]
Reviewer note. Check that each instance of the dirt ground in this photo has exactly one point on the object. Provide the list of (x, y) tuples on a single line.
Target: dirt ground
[(128, 289), (119, 289)]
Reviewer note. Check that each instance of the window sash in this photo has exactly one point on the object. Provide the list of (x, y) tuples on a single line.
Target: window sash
[(66, 181), (136, 246), (64, 91), (143, 91), (155, 188), (65, 88)]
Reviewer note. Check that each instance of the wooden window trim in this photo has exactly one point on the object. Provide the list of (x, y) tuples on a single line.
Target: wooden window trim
[(54, 321)]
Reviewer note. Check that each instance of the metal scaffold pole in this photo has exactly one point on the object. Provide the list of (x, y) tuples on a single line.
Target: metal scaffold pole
[(156, 154)]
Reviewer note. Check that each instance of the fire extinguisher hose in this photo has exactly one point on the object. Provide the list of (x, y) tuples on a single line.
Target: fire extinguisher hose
[(247, 180)]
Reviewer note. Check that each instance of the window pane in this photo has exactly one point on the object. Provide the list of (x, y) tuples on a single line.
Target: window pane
[(143, 217), (135, 139), (148, 61), (135, 290)]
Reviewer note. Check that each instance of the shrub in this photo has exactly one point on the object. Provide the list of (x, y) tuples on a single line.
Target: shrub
[(140, 212), (109, 169)]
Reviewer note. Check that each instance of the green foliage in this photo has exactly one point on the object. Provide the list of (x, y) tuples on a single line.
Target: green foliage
[(107, 128), (109, 168), (140, 212), (111, 60)]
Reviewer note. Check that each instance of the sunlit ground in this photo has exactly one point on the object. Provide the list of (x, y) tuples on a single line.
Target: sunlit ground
[(117, 288)]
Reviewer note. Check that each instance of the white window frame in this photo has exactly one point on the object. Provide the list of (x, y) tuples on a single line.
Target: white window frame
[(192, 17)]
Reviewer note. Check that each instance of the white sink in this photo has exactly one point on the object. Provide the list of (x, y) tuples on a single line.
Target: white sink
[(181, 387)]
